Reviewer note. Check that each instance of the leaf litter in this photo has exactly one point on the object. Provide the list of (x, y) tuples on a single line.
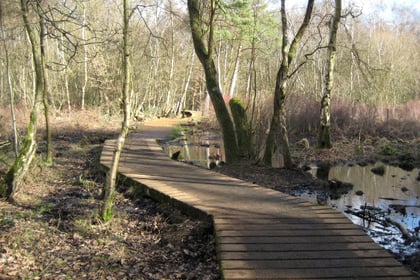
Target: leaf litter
[(53, 232)]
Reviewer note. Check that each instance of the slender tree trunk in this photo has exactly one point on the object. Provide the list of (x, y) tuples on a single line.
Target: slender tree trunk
[(66, 79), (324, 135), (235, 71), (111, 177), (85, 63), (49, 157), (10, 88), (169, 108), (278, 127), (181, 103), (27, 151), (204, 53)]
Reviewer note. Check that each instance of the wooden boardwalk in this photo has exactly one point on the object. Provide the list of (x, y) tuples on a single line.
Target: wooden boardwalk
[(260, 233)]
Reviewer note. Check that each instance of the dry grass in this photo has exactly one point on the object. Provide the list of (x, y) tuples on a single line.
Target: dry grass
[(347, 119)]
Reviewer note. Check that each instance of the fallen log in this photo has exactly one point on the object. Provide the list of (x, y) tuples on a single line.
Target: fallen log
[(404, 231)]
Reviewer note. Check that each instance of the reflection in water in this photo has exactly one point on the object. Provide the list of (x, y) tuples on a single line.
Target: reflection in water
[(394, 195), (201, 148), (395, 190)]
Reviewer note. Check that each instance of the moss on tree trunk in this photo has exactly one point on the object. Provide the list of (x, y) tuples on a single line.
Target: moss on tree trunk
[(242, 128), (27, 152), (22, 163)]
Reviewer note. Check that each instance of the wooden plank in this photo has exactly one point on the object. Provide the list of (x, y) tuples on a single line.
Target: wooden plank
[(315, 273), (280, 220), (294, 239), (287, 232), (302, 264), (305, 255), (322, 247), (283, 226)]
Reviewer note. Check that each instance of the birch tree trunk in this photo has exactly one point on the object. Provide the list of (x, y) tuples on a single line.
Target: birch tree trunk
[(85, 66), (49, 156), (27, 151), (235, 71), (278, 127), (324, 135), (10, 88), (111, 176), (181, 103)]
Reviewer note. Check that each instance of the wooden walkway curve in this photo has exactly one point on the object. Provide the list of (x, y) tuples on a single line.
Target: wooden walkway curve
[(260, 233)]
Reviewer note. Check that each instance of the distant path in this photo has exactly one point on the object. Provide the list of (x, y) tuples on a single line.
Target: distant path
[(260, 233)]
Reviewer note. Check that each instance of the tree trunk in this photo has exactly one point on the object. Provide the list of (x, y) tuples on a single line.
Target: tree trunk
[(278, 126), (235, 71), (111, 177), (204, 53), (242, 127), (181, 103), (49, 156), (10, 88), (324, 135), (27, 152), (278, 136), (85, 66)]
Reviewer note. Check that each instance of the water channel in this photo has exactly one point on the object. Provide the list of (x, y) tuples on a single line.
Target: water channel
[(367, 198)]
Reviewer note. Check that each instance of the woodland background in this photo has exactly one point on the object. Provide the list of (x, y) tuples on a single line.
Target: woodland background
[(376, 74)]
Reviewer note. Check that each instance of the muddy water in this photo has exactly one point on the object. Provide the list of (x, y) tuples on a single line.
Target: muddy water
[(201, 148), (372, 198), (396, 191)]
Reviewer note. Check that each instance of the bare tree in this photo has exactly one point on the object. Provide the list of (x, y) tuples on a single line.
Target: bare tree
[(324, 135), (278, 127), (9, 85), (27, 151), (204, 51), (111, 176)]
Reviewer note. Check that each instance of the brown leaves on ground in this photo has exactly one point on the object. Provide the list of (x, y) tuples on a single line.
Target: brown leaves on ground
[(53, 232)]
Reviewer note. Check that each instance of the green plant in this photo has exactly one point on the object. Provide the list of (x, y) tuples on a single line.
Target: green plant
[(43, 208), (387, 150), (81, 181), (177, 131), (358, 150), (6, 221)]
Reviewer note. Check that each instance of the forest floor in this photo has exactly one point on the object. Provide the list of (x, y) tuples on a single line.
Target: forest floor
[(53, 232)]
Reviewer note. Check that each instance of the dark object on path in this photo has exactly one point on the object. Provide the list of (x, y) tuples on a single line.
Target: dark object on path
[(212, 165), (175, 155), (186, 114), (323, 170), (359, 193), (379, 170)]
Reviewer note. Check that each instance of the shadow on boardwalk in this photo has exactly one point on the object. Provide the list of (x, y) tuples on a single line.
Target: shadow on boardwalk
[(260, 233)]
